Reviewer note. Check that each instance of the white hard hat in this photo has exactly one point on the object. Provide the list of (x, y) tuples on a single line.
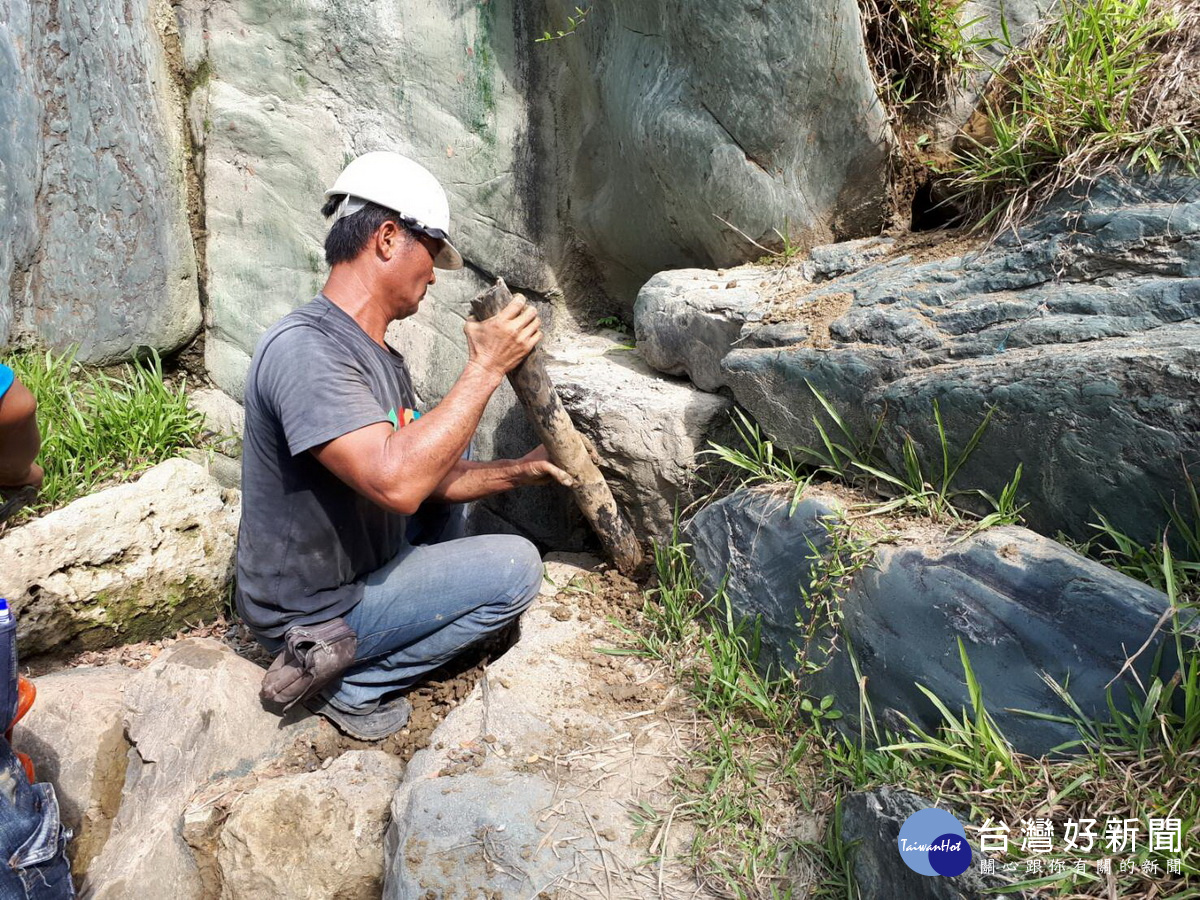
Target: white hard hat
[(404, 186)]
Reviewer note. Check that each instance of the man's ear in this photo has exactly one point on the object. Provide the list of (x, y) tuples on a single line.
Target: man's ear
[(388, 240)]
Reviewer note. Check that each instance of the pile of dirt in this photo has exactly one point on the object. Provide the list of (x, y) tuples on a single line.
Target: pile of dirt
[(432, 701), (606, 595)]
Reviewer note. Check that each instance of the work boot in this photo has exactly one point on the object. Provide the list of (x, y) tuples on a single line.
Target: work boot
[(388, 717)]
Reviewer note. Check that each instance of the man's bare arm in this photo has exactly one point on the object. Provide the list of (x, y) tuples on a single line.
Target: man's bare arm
[(469, 480), (399, 469)]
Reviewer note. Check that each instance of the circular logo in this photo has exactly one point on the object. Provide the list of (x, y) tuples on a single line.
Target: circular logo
[(932, 842)]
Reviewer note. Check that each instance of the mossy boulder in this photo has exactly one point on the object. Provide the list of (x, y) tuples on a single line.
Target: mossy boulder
[(131, 563)]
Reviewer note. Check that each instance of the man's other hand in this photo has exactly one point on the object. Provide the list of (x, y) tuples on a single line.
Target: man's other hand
[(536, 468), (500, 343)]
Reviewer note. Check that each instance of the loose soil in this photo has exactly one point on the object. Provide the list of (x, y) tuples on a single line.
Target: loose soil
[(791, 287)]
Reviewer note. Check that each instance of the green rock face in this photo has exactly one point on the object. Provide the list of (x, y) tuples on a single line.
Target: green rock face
[(582, 165), (95, 246)]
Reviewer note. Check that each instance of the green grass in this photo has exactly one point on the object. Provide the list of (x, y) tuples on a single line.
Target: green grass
[(918, 50), (1105, 85), (769, 751), (918, 487), (1151, 564), (740, 785), (99, 428)]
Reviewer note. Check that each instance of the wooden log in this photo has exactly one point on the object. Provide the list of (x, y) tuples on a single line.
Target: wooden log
[(564, 445)]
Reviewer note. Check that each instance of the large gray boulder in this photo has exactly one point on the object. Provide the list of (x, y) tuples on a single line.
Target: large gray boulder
[(191, 716), (1024, 607), (870, 832), (75, 735), (576, 167), (95, 246), (1083, 334), (130, 563)]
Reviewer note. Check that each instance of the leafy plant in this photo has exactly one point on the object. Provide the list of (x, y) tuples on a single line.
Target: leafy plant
[(573, 23), (769, 746), (832, 568), (613, 323), (822, 709), (842, 452)]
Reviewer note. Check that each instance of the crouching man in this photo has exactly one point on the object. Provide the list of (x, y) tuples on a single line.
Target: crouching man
[(351, 496)]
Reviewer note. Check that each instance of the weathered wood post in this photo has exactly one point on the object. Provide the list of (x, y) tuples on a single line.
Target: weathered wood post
[(564, 444)]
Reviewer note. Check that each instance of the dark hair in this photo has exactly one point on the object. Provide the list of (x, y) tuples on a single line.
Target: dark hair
[(350, 236)]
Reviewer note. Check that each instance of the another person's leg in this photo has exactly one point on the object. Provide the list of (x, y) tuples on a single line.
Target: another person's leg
[(20, 440)]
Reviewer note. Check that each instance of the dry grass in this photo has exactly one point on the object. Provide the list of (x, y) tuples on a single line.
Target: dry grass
[(917, 49), (1111, 85)]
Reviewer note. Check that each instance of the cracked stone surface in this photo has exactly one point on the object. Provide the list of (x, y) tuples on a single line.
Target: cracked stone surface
[(95, 245), (527, 784), (305, 835), (192, 716), (687, 320), (1083, 333)]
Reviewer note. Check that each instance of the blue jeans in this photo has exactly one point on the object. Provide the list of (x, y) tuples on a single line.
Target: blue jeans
[(431, 602), (32, 840)]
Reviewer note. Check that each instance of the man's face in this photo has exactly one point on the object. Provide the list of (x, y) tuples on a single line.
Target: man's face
[(411, 270)]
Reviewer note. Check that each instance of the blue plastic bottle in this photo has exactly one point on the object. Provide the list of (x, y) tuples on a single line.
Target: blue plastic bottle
[(8, 665)]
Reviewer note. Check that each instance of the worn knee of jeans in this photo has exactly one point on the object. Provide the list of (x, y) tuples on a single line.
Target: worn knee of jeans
[(520, 567)]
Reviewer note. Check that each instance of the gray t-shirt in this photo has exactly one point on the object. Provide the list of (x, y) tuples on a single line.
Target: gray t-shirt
[(308, 539)]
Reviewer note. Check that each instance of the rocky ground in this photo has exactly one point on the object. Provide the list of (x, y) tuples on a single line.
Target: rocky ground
[(534, 752)]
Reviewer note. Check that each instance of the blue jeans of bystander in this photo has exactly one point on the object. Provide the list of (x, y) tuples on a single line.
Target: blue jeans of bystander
[(32, 840)]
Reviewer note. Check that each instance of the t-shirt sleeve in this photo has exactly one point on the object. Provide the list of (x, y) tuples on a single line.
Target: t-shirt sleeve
[(316, 392)]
